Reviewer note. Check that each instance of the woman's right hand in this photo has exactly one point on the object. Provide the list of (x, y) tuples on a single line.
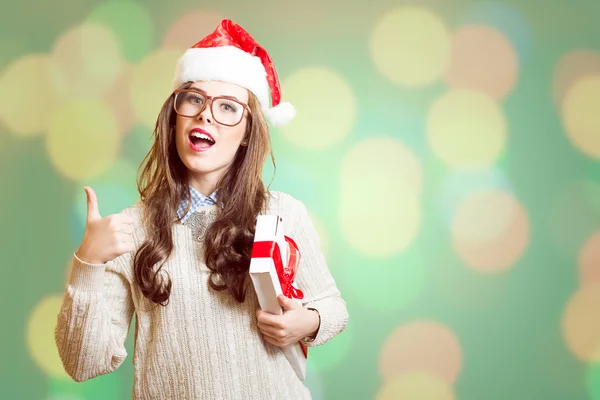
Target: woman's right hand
[(105, 238)]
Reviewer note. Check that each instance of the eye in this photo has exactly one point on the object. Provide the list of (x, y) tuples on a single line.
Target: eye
[(228, 106), (194, 98)]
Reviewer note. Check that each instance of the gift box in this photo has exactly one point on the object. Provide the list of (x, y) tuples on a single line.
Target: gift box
[(273, 266)]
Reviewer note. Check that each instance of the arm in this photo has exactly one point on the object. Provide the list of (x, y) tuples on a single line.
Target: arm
[(315, 280), (94, 319)]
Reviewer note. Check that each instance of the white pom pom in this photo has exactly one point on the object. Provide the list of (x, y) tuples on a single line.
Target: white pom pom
[(281, 114)]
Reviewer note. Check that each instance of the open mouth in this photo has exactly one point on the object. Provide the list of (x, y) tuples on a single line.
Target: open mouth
[(200, 141)]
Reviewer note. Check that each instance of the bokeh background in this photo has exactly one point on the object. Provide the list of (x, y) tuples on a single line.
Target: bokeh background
[(447, 150)]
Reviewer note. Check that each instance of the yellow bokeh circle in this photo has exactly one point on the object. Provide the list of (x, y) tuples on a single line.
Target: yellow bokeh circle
[(411, 46), (40, 336), (325, 108), (572, 66), (83, 140), (86, 61), (416, 386), (466, 129), (152, 84), (581, 115), (386, 167), (490, 230), (27, 97)]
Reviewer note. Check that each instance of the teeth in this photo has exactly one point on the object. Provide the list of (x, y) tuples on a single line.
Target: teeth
[(202, 136)]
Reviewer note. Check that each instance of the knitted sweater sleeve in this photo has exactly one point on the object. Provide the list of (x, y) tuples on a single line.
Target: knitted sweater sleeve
[(315, 280), (94, 319)]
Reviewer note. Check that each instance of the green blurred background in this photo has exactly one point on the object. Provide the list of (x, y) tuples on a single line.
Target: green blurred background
[(448, 152)]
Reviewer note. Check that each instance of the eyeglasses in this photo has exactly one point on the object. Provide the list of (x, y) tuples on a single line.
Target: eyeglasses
[(225, 110)]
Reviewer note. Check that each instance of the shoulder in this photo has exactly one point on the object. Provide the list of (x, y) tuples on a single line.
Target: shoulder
[(281, 202)]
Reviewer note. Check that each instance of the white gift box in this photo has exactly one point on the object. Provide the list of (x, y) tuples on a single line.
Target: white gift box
[(263, 272)]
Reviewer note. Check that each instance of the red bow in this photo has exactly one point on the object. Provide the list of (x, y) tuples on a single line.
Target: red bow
[(286, 275), (270, 249)]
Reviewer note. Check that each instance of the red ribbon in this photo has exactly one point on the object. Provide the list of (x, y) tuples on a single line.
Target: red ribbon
[(270, 249)]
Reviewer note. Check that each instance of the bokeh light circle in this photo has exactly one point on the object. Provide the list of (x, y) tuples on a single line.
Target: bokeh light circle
[(416, 386), (581, 117), (484, 215), (386, 167), (589, 260), (40, 336), (27, 97), (317, 126), (490, 230), (504, 17), (581, 325), (83, 139), (571, 67), (189, 29), (410, 46), (86, 61), (466, 129), (421, 346), (455, 186), (483, 60), (152, 84), (131, 23)]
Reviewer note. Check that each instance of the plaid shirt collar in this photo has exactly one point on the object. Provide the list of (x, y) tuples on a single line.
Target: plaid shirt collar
[(198, 200)]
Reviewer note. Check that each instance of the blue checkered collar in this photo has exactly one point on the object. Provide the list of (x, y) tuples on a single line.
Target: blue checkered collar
[(198, 200)]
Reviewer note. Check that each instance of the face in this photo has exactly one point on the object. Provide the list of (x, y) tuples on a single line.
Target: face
[(206, 147)]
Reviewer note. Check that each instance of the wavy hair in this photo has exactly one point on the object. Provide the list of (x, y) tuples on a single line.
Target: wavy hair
[(163, 184)]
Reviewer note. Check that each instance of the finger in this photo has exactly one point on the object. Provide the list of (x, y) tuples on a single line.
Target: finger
[(272, 340), (271, 330), (270, 319), (92, 205)]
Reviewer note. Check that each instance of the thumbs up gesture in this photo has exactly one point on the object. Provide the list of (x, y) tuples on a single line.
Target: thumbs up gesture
[(105, 238)]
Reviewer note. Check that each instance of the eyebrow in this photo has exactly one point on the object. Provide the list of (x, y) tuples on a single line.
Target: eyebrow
[(220, 95)]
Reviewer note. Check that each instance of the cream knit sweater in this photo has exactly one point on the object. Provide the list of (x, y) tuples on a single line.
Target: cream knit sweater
[(203, 344)]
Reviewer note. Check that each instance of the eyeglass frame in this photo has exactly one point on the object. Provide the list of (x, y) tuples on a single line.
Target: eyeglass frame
[(209, 99)]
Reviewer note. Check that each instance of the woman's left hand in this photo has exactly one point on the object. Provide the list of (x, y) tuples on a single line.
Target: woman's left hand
[(295, 324)]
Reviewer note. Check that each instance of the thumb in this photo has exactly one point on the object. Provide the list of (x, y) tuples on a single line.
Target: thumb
[(92, 204), (287, 303)]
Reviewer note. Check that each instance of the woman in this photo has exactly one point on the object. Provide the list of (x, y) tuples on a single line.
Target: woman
[(179, 259)]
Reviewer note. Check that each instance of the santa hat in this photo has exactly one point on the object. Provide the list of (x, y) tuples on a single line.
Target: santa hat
[(230, 54)]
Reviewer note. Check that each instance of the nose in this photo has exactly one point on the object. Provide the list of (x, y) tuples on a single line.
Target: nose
[(206, 114)]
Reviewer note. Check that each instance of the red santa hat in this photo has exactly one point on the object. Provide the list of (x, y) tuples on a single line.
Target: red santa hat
[(230, 54)]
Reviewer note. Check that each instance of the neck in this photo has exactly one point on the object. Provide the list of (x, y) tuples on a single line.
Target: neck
[(204, 184)]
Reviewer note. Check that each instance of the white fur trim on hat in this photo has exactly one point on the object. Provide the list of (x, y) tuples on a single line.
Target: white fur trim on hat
[(233, 65)]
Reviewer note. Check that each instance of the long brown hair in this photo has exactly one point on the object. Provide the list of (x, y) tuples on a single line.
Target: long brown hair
[(163, 184)]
